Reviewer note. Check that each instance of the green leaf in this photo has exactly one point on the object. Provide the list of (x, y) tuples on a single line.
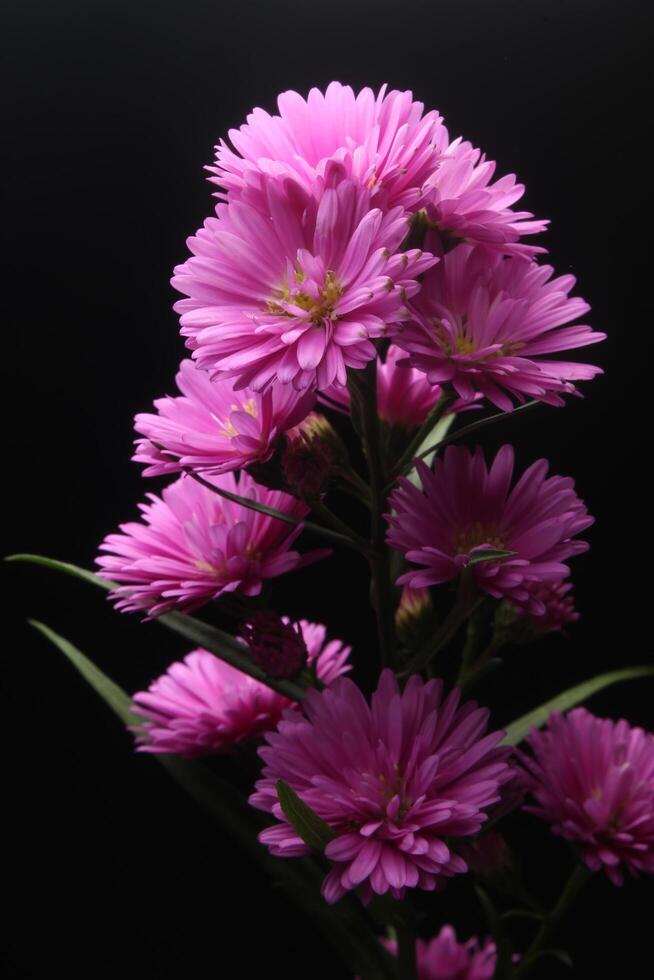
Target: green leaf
[(345, 925), (222, 644), (64, 566), (488, 554), (305, 822), (519, 729), (110, 693)]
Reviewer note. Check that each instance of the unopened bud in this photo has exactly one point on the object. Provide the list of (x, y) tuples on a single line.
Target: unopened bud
[(313, 453), (275, 646), (415, 620)]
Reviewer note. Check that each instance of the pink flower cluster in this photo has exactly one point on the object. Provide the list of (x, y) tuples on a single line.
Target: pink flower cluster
[(306, 261)]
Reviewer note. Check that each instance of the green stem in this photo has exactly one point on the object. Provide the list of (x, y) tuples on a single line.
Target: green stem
[(325, 532), (406, 951), (406, 459), (467, 601), (339, 525), (363, 392), (550, 924), (474, 426)]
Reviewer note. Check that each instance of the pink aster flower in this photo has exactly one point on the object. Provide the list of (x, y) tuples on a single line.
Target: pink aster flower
[(465, 204), (384, 142), (393, 780), (487, 324), (593, 780), (559, 608), (297, 294), (404, 395), (213, 428), (202, 705), (464, 507), (193, 546), (445, 958)]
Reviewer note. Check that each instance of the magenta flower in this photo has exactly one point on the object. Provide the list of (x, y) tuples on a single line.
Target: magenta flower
[(193, 546), (559, 608), (464, 507), (202, 706), (384, 142), (213, 428), (593, 780), (392, 779), (445, 958), (404, 395), (297, 294), (486, 324), (464, 204)]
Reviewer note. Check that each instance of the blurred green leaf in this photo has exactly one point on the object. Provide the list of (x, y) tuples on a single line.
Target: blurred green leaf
[(305, 822), (222, 644), (519, 729)]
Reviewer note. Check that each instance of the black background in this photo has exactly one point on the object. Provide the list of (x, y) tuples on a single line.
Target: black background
[(112, 109)]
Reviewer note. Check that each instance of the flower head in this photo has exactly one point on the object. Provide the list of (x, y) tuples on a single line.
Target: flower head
[(202, 705), (194, 545), (393, 779), (593, 780), (384, 142), (296, 294), (445, 958), (465, 507), (404, 395), (559, 609), (465, 205), (212, 428), (487, 325)]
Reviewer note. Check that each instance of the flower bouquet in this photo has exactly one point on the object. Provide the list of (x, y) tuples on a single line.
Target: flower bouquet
[(363, 302)]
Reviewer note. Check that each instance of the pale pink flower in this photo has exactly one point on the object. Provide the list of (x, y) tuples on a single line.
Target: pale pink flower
[(202, 705), (193, 546), (214, 429), (464, 507), (394, 780), (296, 295), (384, 142), (445, 958), (593, 781), (486, 324)]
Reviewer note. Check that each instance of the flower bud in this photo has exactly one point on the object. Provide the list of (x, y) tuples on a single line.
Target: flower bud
[(312, 454), (275, 646), (415, 620)]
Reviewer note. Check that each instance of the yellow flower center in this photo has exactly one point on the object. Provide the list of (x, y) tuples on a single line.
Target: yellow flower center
[(477, 534), (318, 310)]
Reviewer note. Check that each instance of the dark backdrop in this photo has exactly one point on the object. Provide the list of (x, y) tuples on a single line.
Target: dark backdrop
[(112, 109)]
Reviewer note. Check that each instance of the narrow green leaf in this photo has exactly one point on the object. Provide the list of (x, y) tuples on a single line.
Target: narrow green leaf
[(488, 554), (110, 693), (305, 822), (222, 644), (345, 925), (519, 729), (64, 566)]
